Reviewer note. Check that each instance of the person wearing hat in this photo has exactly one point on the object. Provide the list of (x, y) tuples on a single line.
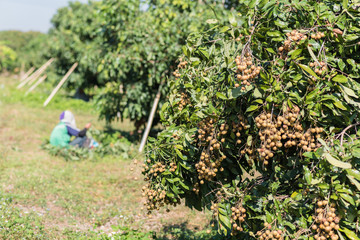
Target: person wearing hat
[(66, 128)]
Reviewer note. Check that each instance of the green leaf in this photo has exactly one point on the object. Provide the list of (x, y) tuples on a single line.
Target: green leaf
[(184, 186), (211, 21), (351, 37), (290, 225), (354, 173), (270, 50), (280, 23), (222, 211), (225, 223), (295, 53), (221, 95), (179, 154), (350, 234), (339, 105), (316, 181), (249, 140), (269, 217), (341, 64), (353, 181), (308, 176), (172, 180), (345, 4), (232, 20), (324, 144), (312, 54), (355, 152), (340, 79), (274, 34), (336, 162), (308, 70), (340, 235), (257, 93), (204, 53), (349, 92), (224, 29), (252, 108), (186, 51)]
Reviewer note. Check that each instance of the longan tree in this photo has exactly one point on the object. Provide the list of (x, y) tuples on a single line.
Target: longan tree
[(261, 123), (126, 48), (140, 52), (76, 37)]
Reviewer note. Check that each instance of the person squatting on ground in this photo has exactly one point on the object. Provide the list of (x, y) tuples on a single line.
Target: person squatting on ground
[(62, 133)]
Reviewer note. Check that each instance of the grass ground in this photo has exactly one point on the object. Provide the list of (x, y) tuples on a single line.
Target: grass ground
[(45, 197)]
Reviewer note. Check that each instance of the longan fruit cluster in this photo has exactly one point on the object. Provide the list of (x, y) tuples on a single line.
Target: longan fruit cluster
[(182, 64), (224, 128), (319, 68), (296, 36), (268, 234), (155, 169), (184, 100), (237, 128), (246, 70), (173, 167), (206, 130), (270, 135), (208, 135), (207, 167), (326, 221), (284, 131), (175, 136), (176, 73), (145, 169), (238, 215), (251, 154), (196, 188), (307, 141), (154, 198), (318, 35), (214, 208), (293, 36)]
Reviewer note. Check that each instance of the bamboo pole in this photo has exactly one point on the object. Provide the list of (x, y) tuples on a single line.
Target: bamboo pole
[(34, 78), (60, 84), (36, 74), (36, 84), (31, 70), (150, 120), (26, 80)]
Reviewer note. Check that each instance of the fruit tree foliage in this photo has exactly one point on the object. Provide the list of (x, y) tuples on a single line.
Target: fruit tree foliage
[(8, 58), (127, 48), (26, 48), (75, 37), (141, 49), (261, 124)]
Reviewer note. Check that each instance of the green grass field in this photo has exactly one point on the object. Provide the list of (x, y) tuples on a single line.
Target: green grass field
[(46, 197)]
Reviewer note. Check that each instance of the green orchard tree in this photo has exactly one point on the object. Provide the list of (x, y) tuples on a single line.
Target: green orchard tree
[(142, 47), (75, 37)]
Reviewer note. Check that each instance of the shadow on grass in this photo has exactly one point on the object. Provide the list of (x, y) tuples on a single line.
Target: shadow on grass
[(132, 136), (183, 232)]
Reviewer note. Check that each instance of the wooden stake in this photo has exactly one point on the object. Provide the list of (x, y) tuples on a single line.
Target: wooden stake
[(36, 84), (150, 120), (35, 74), (60, 84), (39, 73), (27, 74)]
